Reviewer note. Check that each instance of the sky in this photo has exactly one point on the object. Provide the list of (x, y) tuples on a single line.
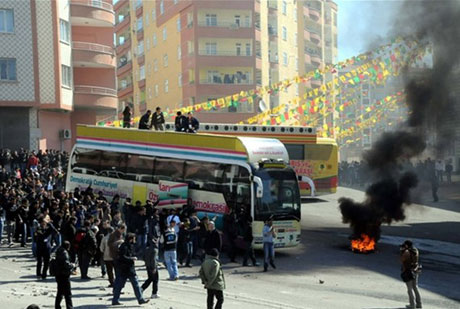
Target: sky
[(363, 24)]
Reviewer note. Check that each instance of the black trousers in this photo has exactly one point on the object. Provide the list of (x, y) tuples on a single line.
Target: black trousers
[(83, 261), (219, 296), (63, 290), (152, 278), (43, 257), (249, 253)]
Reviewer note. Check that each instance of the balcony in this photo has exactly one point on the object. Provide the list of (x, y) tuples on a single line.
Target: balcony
[(224, 58), (314, 13), (141, 83), (119, 4), (315, 38), (316, 60), (124, 46), (122, 24), (85, 54), (218, 81), (92, 13), (92, 97), (315, 83), (217, 28), (223, 53), (124, 67), (125, 90)]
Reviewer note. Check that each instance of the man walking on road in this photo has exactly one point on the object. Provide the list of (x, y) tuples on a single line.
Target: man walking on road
[(409, 273), (212, 277), (170, 251), (269, 248), (63, 270), (126, 270)]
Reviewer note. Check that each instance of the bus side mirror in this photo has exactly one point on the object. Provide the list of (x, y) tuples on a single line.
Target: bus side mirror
[(260, 187), (310, 183)]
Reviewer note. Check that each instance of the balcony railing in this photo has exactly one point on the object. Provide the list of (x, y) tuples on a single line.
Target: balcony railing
[(224, 53), (223, 24), (122, 64), (219, 81), (120, 88), (95, 90), (95, 3), (93, 47)]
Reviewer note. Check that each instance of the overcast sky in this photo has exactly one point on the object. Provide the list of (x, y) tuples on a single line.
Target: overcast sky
[(363, 23)]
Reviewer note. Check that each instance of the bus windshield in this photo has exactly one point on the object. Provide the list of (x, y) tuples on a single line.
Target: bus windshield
[(281, 197)]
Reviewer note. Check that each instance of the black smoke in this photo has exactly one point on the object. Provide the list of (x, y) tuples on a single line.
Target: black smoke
[(431, 115)]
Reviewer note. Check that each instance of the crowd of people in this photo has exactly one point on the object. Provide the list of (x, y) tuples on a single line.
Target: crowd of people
[(433, 172), (69, 232), (156, 121)]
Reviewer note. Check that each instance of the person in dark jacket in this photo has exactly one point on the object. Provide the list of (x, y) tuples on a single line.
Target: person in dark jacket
[(180, 122), (68, 231), (63, 270), (158, 120), (127, 117), (140, 228), (150, 258), (86, 248), (144, 121), (246, 223), (213, 238), (41, 236), (126, 270), (192, 124)]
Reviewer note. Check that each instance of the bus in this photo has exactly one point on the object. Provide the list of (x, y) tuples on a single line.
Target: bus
[(310, 156), (213, 173)]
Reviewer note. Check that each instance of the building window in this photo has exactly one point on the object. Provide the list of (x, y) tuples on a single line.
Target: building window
[(66, 76), (284, 8), (247, 21), (237, 20), (155, 65), (284, 34), (165, 60), (149, 69), (175, 1), (148, 43), (150, 93), (211, 48), (179, 52), (146, 20), (162, 7), (140, 26), (154, 14), (295, 39), (6, 20), (179, 80), (214, 77), (285, 59), (166, 86), (154, 40), (248, 49), (178, 25), (7, 69), (238, 49), (140, 48), (156, 90), (165, 34), (295, 14), (64, 30), (211, 20), (142, 73)]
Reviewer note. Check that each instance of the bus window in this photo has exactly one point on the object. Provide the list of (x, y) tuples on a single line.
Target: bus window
[(168, 169), (296, 151), (86, 161), (201, 175), (113, 164), (139, 168), (318, 152)]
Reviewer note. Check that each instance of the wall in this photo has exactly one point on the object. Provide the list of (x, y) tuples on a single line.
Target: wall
[(51, 123), (14, 127)]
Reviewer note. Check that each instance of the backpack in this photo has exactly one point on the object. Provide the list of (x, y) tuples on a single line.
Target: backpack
[(78, 239)]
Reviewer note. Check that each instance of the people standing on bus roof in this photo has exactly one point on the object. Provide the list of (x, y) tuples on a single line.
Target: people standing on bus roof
[(158, 120), (144, 121), (127, 117), (192, 124), (269, 234), (180, 122)]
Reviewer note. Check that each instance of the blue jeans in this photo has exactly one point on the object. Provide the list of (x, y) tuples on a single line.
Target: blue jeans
[(119, 284), (269, 253), (2, 223), (171, 264), (57, 241), (189, 251)]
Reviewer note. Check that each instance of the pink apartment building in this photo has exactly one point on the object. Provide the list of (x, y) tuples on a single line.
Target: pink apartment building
[(57, 69)]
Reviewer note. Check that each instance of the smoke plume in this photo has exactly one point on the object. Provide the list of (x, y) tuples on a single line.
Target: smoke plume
[(429, 100)]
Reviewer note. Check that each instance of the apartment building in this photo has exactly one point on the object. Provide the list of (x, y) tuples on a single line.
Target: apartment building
[(57, 69), (178, 53)]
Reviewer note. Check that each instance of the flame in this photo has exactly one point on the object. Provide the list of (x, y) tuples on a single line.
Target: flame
[(363, 244)]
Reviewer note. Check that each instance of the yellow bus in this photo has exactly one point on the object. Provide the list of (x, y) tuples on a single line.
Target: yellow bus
[(213, 173), (310, 156)]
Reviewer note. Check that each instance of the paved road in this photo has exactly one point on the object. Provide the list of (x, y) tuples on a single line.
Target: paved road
[(321, 273)]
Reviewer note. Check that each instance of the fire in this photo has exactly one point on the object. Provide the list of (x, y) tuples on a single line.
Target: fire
[(363, 244)]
